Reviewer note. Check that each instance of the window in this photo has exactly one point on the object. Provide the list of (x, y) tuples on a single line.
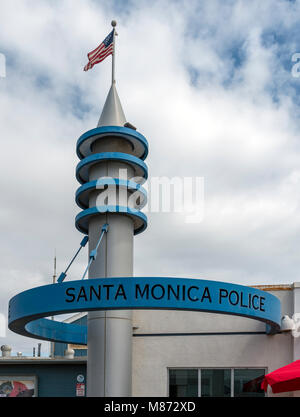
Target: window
[(207, 382), (183, 383), (247, 382), (215, 383)]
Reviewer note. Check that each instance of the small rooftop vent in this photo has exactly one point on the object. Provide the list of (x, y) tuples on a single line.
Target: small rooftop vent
[(6, 351)]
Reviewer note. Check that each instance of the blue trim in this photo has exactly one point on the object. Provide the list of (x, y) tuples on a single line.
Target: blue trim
[(110, 156), (28, 309), (94, 252), (84, 241), (81, 220), (45, 329), (99, 132), (90, 186), (61, 277)]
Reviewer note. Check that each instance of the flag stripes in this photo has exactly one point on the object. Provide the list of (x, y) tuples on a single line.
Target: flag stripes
[(105, 49)]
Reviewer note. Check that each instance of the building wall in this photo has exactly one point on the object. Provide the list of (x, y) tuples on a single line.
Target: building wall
[(53, 380), (162, 341)]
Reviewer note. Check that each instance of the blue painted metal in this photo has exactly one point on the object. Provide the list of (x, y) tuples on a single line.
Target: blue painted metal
[(63, 275), (28, 309), (138, 141), (82, 169), (135, 160), (139, 218), (93, 254), (84, 241), (82, 193)]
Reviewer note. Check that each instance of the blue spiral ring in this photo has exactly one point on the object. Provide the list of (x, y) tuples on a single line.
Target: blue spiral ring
[(82, 194), (82, 169), (139, 218), (138, 141)]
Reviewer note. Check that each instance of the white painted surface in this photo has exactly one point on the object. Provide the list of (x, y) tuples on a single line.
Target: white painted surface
[(109, 364), (152, 356)]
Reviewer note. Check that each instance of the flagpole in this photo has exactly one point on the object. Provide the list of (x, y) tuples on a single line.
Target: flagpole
[(114, 24)]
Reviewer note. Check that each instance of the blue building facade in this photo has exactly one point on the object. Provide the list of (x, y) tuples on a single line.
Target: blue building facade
[(42, 377)]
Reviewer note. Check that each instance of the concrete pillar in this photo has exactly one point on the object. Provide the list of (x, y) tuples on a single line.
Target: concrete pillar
[(109, 366)]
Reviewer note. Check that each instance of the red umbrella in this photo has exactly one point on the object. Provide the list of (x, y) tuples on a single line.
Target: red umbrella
[(284, 379)]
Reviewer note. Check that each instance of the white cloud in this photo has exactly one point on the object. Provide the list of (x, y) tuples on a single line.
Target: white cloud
[(225, 127)]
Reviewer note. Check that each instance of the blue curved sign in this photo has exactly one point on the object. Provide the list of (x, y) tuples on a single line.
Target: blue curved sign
[(27, 310)]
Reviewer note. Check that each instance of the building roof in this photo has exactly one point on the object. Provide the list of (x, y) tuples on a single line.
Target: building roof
[(275, 287), (17, 360)]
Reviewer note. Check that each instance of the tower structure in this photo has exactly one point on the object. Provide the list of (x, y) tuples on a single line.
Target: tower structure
[(111, 172)]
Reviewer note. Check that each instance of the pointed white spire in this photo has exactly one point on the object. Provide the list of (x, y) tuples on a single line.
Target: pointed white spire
[(112, 113)]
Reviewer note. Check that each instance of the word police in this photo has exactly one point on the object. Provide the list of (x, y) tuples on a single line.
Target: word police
[(167, 292)]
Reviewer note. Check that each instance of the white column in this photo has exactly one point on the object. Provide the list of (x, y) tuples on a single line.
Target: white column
[(109, 367)]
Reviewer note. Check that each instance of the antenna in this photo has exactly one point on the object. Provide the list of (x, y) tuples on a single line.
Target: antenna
[(52, 318), (114, 24), (54, 267)]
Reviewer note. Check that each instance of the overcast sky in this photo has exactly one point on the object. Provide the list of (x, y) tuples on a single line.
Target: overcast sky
[(210, 85)]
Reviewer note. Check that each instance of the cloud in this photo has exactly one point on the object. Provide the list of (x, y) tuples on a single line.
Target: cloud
[(208, 83)]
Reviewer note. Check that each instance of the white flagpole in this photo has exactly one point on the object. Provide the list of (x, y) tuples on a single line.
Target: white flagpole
[(114, 24)]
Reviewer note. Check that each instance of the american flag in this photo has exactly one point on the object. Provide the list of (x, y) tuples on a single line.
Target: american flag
[(101, 52)]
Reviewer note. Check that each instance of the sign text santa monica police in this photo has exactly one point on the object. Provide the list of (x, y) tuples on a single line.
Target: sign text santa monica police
[(27, 308)]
